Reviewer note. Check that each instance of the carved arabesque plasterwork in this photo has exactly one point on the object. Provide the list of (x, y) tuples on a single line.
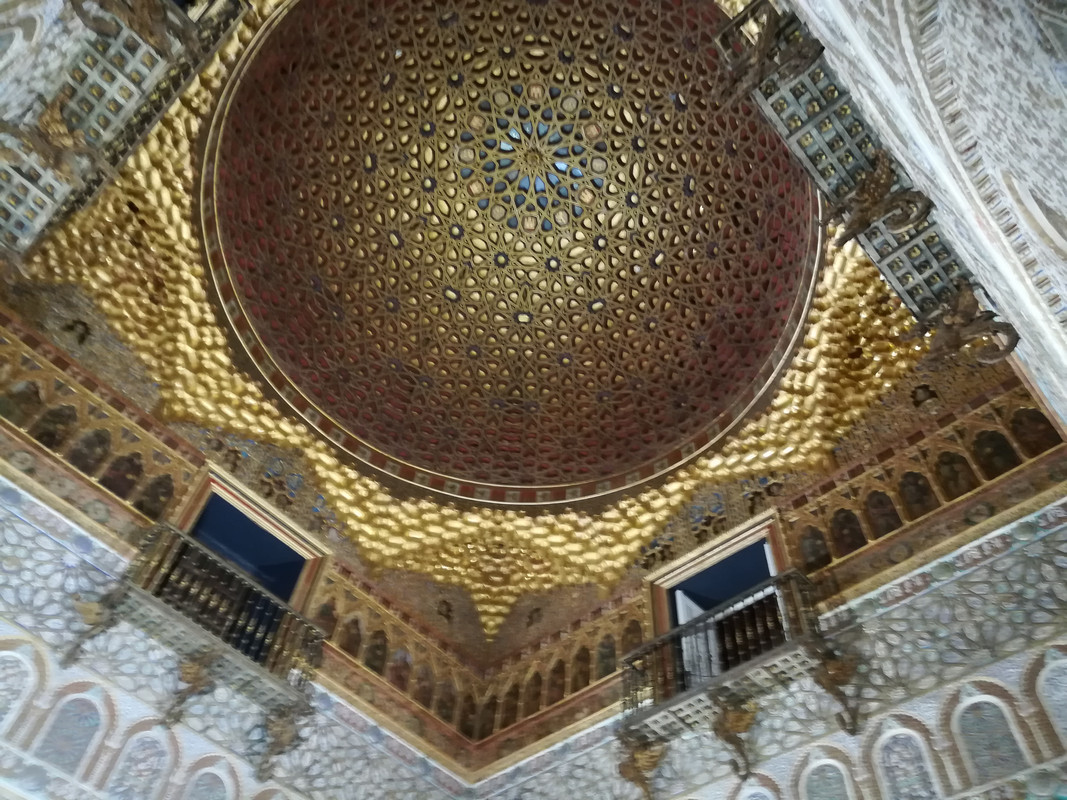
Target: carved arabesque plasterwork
[(155, 298)]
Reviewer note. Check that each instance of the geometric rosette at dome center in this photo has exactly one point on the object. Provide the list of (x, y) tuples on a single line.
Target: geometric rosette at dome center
[(510, 251)]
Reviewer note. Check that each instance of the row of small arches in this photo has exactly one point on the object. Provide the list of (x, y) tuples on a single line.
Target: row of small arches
[(72, 740), (56, 428), (984, 725), (954, 475), (477, 718)]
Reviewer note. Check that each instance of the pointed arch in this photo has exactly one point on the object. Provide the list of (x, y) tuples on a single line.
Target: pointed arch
[(509, 710), (632, 636), (377, 650), (350, 636), (605, 657), (487, 718), (21, 403), (446, 701), (531, 696), (882, 515), (468, 716), (557, 683), (423, 693), (580, 668)]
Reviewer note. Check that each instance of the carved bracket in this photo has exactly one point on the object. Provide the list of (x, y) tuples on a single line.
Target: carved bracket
[(282, 735), (99, 615), (961, 321), (835, 670), (733, 720), (195, 673), (874, 199), (772, 54), (641, 761)]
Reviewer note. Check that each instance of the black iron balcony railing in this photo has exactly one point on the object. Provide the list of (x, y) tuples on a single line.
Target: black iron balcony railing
[(724, 644), (225, 602)]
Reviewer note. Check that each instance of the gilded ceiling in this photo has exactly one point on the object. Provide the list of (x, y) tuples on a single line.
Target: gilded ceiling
[(513, 251), (137, 252)]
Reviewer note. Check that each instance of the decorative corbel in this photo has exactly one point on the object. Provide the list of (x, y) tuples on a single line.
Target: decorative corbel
[(641, 761), (98, 615), (834, 670), (195, 673), (53, 141), (282, 735), (147, 18), (733, 720), (960, 321), (874, 199), (770, 55)]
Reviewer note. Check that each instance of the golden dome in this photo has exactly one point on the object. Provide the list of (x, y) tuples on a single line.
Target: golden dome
[(512, 251)]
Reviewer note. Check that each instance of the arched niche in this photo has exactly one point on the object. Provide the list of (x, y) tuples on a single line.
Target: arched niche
[(487, 718), (557, 683), (987, 739), (468, 716), (605, 656), (531, 696), (208, 785), (846, 533), (814, 554), (904, 767), (882, 515), (954, 475), (994, 454), (376, 651), (826, 779), (90, 451), (1034, 433), (917, 495), (1052, 691), (350, 637), (21, 403), (141, 770), (631, 636), (153, 499), (399, 671), (326, 617), (72, 734), (446, 701), (509, 708), (18, 683), (580, 669), (123, 474), (55, 426), (424, 682)]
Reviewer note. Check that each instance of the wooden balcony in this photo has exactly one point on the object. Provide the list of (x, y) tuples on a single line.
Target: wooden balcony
[(224, 628), (733, 653)]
